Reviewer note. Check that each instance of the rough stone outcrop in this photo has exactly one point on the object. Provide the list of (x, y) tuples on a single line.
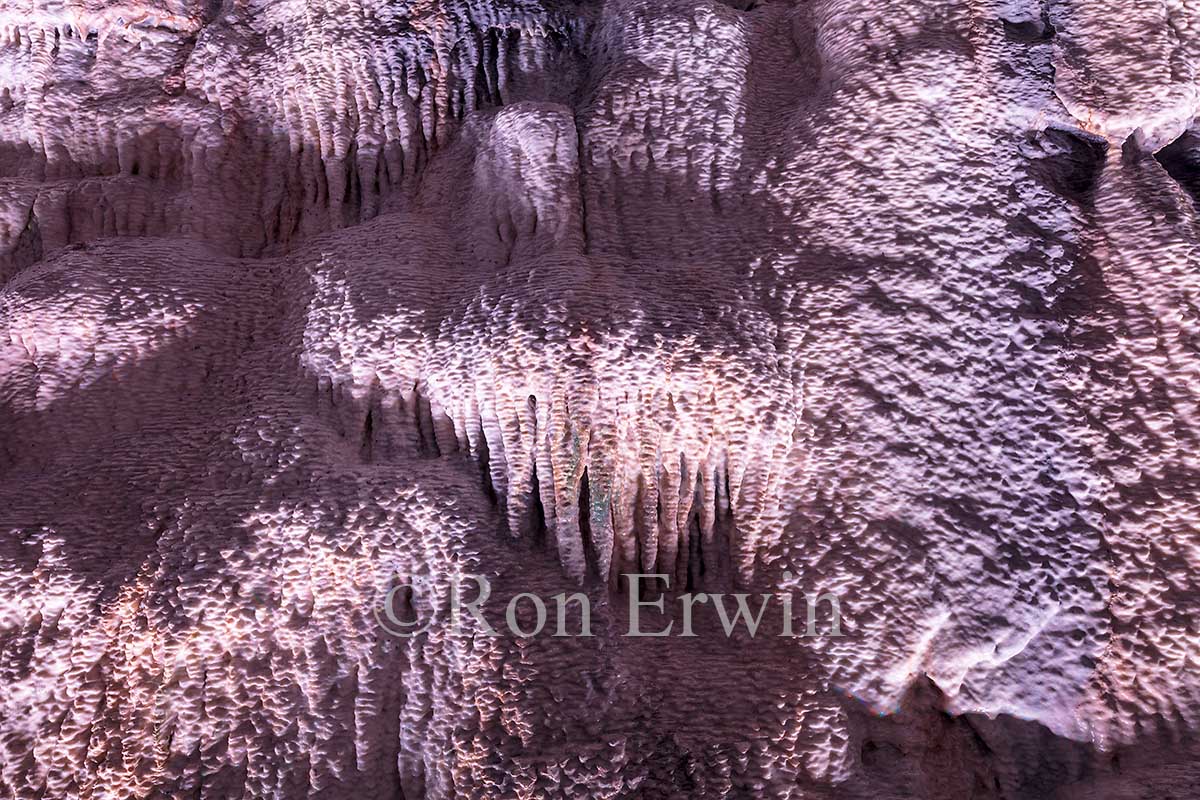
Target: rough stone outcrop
[(304, 300)]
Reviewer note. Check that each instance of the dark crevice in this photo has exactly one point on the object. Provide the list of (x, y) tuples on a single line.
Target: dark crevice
[(491, 65), (585, 525), (426, 437), (367, 448), (1030, 31), (352, 196), (919, 749), (485, 468), (483, 92), (695, 563), (27, 250), (639, 525), (537, 513), (1181, 160), (724, 533), (1068, 163)]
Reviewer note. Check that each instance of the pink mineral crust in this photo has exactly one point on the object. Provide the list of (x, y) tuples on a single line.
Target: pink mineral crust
[(302, 303)]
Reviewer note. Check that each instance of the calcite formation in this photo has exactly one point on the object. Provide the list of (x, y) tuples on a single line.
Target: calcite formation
[(302, 303)]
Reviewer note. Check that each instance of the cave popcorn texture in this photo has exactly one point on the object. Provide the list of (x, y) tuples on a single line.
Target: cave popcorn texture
[(896, 301)]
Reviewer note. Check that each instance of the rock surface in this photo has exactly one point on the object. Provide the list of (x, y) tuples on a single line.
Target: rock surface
[(302, 301)]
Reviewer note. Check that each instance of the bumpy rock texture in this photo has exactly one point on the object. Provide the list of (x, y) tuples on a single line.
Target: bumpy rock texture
[(305, 300)]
